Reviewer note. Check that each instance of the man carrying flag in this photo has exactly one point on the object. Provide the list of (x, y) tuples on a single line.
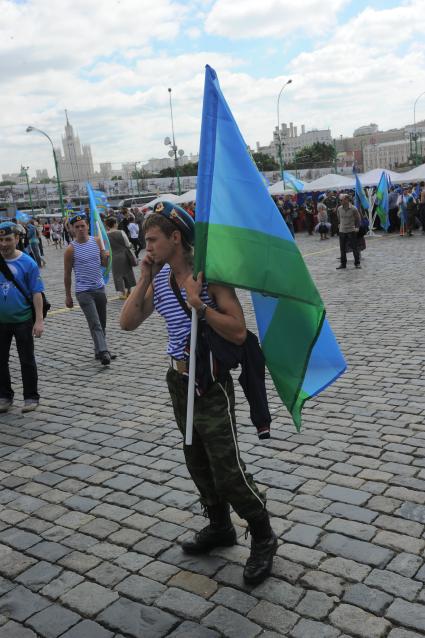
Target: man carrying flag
[(241, 241), (213, 460)]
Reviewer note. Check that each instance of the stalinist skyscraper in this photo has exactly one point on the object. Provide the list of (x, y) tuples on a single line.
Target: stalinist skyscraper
[(76, 163)]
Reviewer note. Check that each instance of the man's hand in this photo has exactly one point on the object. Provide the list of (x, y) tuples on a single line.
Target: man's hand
[(38, 328), (69, 303), (148, 268), (193, 289)]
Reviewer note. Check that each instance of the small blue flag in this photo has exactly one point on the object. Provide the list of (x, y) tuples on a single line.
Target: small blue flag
[(360, 198), (97, 229), (21, 217)]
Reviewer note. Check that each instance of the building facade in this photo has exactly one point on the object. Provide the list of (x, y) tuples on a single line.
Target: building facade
[(292, 143), (76, 162), (391, 155)]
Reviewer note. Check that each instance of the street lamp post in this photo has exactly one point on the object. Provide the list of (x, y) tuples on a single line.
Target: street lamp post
[(281, 163), (174, 151), (30, 129), (24, 172), (414, 127), (137, 177)]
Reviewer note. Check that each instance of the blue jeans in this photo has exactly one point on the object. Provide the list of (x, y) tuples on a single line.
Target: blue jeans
[(25, 345), (93, 304)]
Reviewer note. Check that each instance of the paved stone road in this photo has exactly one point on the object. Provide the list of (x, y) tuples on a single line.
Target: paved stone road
[(95, 496)]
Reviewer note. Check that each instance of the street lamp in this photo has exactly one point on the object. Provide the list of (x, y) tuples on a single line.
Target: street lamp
[(24, 173), (30, 129), (174, 152), (137, 177), (282, 172), (414, 127)]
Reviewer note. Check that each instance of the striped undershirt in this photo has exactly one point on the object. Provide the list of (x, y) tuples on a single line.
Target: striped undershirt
[(87, 266), (167, 304)]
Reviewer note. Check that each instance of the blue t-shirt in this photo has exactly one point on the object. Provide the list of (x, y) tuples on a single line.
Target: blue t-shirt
[(14, 308), (32, 234)]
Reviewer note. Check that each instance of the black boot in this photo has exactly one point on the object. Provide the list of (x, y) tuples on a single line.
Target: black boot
[(263, 548), (219, 533)]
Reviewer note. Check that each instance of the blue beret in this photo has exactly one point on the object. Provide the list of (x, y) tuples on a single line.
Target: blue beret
[(179, 217), (78, 218), (8, 228)]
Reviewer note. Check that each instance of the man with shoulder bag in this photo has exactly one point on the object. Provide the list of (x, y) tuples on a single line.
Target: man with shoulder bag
[(213, 460), (21, 316)]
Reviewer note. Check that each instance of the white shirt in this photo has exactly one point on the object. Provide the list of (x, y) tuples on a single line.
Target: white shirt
[(133, 229)]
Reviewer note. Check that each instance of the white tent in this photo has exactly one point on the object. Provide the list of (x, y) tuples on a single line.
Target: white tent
[(330, 182), (371, 178), (277, 189), (189, 196), (417, 174), (165, 197)]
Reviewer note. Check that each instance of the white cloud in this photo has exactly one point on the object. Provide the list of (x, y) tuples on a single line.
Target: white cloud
[(112, 73), (271, 18)]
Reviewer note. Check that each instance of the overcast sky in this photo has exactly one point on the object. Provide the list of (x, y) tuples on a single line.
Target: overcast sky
[(110, 63)]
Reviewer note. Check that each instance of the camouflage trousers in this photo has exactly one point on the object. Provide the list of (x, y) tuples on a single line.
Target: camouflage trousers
[(213, 459)]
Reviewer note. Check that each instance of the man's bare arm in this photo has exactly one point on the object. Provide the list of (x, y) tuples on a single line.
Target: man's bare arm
[(228, 320), (68, 260), (139, 306)]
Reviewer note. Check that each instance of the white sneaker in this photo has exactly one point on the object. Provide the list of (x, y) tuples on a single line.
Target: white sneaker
[(5, 404), (29, 405)]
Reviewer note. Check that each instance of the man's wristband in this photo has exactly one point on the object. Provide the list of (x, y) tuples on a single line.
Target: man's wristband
[(201, 311)]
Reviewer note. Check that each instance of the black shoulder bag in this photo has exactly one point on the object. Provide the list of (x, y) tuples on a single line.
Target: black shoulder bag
[(4, 268)]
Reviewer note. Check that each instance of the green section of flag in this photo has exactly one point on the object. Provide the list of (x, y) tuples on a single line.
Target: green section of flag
[(275, 266), (287, 351)]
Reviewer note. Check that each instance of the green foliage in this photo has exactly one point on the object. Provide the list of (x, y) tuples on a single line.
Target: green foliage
[(116, 177), (265, 162), (189, 169), (7, 182), (141, 174), (318, 153)]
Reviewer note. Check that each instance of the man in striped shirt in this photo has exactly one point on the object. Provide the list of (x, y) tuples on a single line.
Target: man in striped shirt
[(213, 459), (85, 255)]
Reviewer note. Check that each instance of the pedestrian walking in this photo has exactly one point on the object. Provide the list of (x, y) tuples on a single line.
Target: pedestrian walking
[(213, 459), (33, 243), (46, 232), (323, 226), (421, 205), (134, 230), (123, 260), (349, 224), (20, 295), (86, 256), (331, 203)]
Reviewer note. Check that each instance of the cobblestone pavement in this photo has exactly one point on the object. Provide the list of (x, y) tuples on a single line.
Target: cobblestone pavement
[(95, 496)]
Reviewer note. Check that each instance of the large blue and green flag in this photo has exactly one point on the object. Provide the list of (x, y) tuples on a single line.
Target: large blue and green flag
[(97, 203), (241, 240), (382, 201)]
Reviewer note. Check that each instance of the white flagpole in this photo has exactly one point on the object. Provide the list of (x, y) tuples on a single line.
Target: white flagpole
[(191, 384), (370, 215), (102, 243)]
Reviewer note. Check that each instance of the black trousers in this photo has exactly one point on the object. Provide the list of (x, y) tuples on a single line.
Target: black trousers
[(136, 245), (25, 346), (346, 240)]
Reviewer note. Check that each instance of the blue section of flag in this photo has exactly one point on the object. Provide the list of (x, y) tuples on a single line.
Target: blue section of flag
[(325, 356), (360, 198), (293, 182)]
